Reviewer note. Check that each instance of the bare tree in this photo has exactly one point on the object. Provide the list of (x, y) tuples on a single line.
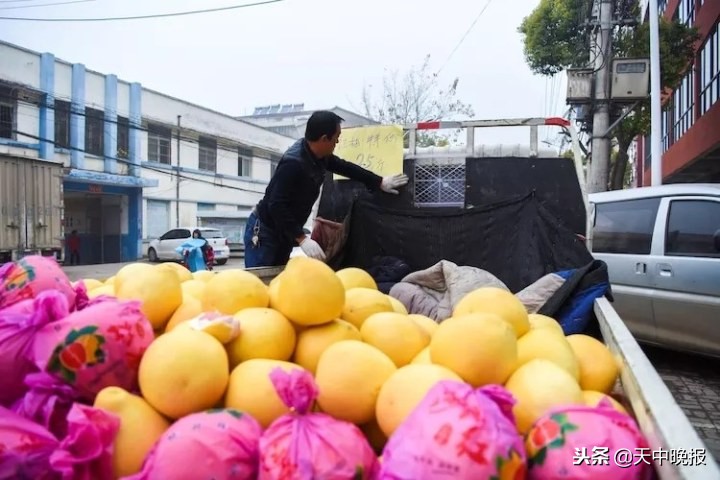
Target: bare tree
[(415, 96)]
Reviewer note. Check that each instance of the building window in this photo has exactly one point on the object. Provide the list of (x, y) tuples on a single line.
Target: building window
[(686, 12), (207, 159), (662, 6), (123, 137), (710, 71), (159, 144), (62, 124), (204, 207), (245, 162), (625, 226), (440, 185), (274, 161), (158, 214), (94, 131), (691, 228), (7, 120)]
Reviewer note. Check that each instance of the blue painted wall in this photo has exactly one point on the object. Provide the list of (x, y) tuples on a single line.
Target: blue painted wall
[(77, 117), (135, 120), (111, 127), (47, 106)]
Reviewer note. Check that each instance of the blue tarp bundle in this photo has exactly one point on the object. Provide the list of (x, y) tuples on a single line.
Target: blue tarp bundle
[(195, 259)]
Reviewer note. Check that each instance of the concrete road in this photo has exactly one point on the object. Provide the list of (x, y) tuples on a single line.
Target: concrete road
[(694, 381)]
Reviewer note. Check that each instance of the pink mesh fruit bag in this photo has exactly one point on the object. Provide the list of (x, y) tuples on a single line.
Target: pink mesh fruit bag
[(457, 432), (26, 278), (97, 347), (588, 443), (28, 451), (18, 326), (306, 446), (221, 444)]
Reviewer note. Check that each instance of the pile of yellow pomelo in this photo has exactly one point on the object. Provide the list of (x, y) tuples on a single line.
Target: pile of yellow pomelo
[(372, 361)]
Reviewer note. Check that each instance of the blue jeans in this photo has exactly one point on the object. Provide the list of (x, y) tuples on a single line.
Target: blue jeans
[(272, 249)]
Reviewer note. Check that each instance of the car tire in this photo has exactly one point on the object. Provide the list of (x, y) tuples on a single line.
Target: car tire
[(152, 255), (221, 262)]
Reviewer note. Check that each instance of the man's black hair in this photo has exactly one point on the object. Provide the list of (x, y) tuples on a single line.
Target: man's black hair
[(322, 122)]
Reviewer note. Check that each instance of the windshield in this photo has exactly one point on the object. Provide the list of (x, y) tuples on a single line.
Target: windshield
[(211, 233)]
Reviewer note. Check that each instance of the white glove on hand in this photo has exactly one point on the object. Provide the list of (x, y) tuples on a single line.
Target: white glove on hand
[(392, 182), (312, 249)]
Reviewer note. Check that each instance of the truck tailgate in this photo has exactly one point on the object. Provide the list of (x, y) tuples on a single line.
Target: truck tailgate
[(660, 418)]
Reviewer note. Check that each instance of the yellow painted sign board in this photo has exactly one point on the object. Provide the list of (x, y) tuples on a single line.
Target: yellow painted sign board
[(376, 148)]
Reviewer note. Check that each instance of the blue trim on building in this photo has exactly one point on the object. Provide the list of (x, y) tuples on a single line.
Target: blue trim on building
[(14, 143), (109, 179), (47, 106), (111, 127), (135, 120), (77, 117), (135, 211)]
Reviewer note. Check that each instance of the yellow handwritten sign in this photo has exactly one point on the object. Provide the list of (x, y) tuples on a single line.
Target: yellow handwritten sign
[(376, 148)]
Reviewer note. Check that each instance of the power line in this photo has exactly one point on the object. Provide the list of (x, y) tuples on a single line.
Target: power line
[(16, 7), (143, 17), (146, 167), (472, 25)]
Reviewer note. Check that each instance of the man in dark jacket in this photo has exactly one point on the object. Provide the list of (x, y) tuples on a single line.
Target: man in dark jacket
[(276, 224)]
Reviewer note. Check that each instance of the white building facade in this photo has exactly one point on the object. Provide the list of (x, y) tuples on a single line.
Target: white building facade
[(136, 162)]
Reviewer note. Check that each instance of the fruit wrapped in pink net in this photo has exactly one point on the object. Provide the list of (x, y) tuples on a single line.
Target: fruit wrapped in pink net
[(26, 278), (305, 446), (97, 347), (221, 444), (588, 443), (28, 451), (18, 325), (457, 432)]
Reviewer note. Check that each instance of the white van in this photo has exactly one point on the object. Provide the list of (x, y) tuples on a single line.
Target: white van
[(662, 248)]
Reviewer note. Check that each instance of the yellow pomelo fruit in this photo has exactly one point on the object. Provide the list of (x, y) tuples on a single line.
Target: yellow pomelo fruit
[(140, 427), (183, 273), (593, 399), (190, 308), (273, 291), (598, 368), (498, 301), (233, 290), (396, 335), (110, 281), (309, 292), (313, 341), (91, 283), (104, 290), (360, 303), (194, 288), (250, 390), (397, 305), (183, 372), (130, 271), (539, 386), (404, 390), (203, 275), (426, 323), (158, 289), (480, 347), (546, 343), (422, 358), (374, 435), (356, 277), (349, 376), (538, 321), (264, 333)]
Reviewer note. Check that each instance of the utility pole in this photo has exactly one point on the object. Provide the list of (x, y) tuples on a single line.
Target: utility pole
[(655, 102), (177, 175), (602, 52)]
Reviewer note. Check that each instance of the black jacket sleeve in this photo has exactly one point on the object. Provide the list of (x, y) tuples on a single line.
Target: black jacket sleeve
[(285, 179), (354, 172)]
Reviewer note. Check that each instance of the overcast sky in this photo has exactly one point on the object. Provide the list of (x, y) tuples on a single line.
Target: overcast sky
[(320, 52)]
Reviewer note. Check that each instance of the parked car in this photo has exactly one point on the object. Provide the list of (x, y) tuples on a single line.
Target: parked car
[(662, 248), (163, 248)]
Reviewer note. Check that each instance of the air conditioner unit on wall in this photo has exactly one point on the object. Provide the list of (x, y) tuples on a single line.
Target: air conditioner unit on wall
[(579, 85), (630, 79)]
